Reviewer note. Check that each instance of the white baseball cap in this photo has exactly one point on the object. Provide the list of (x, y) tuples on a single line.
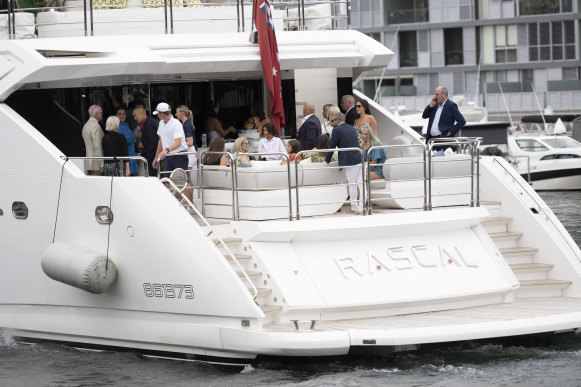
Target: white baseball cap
[(162, 107)]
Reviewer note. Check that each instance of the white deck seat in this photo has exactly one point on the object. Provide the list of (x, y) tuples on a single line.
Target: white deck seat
[(263, 190), (403, 186), (24, 26), (265, 175)]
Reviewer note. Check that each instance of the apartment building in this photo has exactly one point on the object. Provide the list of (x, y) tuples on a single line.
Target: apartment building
[(479, 49)]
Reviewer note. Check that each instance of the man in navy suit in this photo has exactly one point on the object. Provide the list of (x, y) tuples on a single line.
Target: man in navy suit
[(345, 136), (310, 130), (445, 118), (348, 105)]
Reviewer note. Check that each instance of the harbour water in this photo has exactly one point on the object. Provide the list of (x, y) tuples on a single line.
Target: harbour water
[(554, 362)]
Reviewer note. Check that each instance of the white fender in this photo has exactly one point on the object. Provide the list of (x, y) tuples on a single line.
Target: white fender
[(79, 267)]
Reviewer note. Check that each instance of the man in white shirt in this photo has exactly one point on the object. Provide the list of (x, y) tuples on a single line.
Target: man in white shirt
[(270, 144), (172, 140)]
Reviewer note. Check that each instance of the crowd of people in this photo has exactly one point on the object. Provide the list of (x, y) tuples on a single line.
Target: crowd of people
[(352, 126)]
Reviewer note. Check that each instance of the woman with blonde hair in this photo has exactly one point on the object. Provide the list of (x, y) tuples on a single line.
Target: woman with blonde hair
[(241, 146), (186, 117), (114, 145), (376, 157), (326, 127)]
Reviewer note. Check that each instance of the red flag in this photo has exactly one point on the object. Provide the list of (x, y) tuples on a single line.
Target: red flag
[(269, 58)]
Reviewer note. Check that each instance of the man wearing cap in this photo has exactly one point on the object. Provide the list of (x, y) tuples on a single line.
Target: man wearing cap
[(172, 140)]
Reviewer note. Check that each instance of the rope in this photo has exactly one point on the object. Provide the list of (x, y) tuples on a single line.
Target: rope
[(59, 198), (110, 220)]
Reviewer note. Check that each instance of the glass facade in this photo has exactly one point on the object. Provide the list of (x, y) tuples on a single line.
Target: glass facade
[(406, 11)]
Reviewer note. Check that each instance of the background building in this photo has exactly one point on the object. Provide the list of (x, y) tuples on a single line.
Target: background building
[(476, 48)]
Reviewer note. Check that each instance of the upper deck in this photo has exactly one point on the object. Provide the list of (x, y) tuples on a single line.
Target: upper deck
[(69, 18)]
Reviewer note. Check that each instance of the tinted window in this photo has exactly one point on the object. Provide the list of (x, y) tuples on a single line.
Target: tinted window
[(531, 145), (549, 157), (568, 156), (562, 142)]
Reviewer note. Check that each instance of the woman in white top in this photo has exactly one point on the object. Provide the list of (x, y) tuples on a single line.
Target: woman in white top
[(270, 144)]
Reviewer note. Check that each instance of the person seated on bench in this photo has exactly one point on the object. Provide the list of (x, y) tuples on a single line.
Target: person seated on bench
[(241, 146), (292, 148), (376, 157), (270, 144), (218, 145)]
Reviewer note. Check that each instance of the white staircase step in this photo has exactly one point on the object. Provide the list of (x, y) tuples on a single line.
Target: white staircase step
[(505, 239), (239, 257), (250, 274), (541, 288), (496, 223), (531, 271), (228, 240), (514, 255), (270, 308), (493, 207), (263, 297)]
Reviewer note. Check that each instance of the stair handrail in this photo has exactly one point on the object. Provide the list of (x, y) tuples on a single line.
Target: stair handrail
[(220, 240)]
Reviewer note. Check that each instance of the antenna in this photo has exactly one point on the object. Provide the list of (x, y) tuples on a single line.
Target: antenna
[(478, 79), (539, 106), (506, 105), (375, 98)]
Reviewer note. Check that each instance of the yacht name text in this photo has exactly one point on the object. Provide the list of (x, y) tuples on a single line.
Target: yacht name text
[(403, 258)]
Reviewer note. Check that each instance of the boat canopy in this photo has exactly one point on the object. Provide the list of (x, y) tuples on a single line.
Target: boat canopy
[(103, 61)]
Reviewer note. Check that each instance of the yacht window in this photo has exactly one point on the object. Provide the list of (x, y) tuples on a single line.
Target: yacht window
[(562, 142), (549, 157), (531, 145), (568, 156), (19, 210)]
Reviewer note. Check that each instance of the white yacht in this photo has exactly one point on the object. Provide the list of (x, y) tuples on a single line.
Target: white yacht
[(260, 262), (548, 161)]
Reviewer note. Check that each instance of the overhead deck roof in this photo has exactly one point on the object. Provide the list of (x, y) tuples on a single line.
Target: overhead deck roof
[(104, 61)]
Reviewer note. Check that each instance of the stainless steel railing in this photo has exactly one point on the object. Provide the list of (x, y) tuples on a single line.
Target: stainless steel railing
[(465, 145), (395, 147), (294, 14), (116, 160), (325, 151)]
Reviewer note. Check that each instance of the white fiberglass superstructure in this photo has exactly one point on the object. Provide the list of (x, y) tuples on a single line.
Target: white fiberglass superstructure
[(445, 253)]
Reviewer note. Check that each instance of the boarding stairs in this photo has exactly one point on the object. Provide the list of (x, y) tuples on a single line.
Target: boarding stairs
[(224, 230), (533, 274)]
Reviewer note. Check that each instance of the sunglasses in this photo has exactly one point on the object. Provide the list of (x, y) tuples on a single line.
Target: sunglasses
[(358, 106)]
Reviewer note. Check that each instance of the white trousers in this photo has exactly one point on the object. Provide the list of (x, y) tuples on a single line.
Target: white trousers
[(355, 180)]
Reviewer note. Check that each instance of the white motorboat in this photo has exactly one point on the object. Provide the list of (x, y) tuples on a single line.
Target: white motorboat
[(546, 161), (265, 266)]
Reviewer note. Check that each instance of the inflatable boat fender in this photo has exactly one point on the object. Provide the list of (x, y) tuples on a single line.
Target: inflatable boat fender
[(79, 267)]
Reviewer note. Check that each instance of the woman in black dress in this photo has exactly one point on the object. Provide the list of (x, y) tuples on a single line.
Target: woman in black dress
[(115, 145)]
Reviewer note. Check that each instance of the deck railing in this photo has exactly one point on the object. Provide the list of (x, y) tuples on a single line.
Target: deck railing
[(294, 14)]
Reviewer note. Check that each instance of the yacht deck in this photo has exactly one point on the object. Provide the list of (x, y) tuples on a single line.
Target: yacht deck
[(551, 308)]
